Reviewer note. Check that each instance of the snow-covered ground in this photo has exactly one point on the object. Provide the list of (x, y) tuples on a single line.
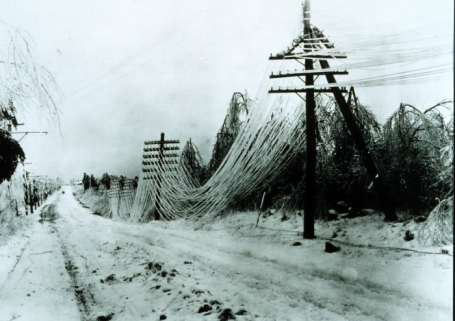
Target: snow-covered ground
[(82, 266), (96, 200)]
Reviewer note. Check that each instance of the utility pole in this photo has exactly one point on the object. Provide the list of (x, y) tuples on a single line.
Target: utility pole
[(156, 162), (310, 166), (159, 179), (312, 46)]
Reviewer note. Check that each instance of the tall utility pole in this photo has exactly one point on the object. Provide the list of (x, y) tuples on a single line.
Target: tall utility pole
[(310, 166), (312, 46)]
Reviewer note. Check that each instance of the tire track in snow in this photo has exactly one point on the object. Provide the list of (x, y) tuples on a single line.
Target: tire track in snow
[(15, 265), (84, 298), (86, 231)]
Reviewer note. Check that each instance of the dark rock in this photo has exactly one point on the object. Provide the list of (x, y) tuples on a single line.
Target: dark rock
[(334, 235), (297, 244), (331, 248), (241, 312), (163, 274), (187, 262), (215, 302), (341, 207), (163, 317), (153, 267), (420, 219), (105, 317), (204, 308), (408, 236), (110, 278), (225, 315), (197, 292)]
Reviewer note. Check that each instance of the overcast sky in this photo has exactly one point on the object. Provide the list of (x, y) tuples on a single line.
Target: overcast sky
[(129, 69)]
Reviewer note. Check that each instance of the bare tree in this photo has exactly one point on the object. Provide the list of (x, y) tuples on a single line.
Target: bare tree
[(22, 80)]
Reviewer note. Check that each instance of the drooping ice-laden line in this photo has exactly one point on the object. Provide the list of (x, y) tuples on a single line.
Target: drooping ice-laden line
[(271, 135)]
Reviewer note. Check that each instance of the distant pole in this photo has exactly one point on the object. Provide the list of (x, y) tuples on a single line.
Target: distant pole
[(158, 189), (157, 163), (310, 166)]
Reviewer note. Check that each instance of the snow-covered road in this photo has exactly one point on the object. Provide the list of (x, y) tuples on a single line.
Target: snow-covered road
[(85, 267)]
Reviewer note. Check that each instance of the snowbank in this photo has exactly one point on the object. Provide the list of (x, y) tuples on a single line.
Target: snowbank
[(96, 200), (369, 230)]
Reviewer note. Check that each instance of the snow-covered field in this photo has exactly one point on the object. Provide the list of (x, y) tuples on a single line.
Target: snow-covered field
[(81, 266)]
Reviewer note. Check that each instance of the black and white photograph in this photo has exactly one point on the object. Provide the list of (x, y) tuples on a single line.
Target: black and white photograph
[(249, 160)]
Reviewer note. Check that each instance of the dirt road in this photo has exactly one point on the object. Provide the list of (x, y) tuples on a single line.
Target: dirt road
[(85, 267)]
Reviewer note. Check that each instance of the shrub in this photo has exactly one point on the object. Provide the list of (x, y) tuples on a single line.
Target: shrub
[(11, 154)]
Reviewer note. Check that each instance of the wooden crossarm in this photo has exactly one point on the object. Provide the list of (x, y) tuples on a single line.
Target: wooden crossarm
[(308, 72), (155, 142), (154, 171), (162, 162), (164, 156), (303, 90), (157, 149), (173, 155), (307, 56)]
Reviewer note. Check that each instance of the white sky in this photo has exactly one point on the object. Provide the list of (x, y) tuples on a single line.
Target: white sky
[(129, 69)]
